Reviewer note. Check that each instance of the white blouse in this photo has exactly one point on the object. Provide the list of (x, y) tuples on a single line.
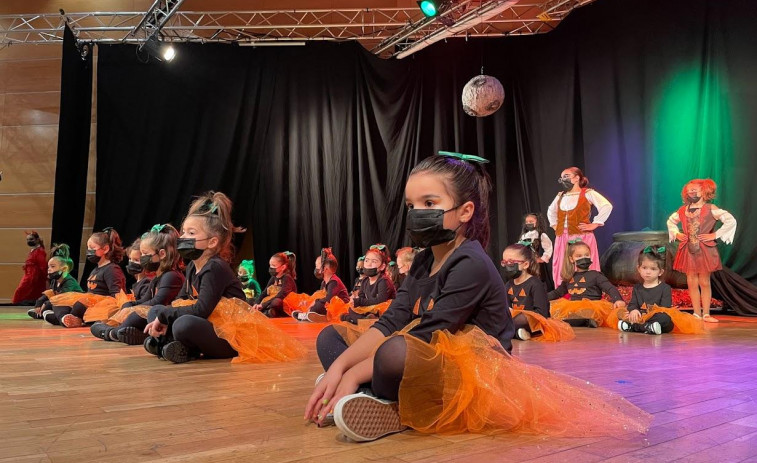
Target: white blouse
[(570, 201), (725, 233), (546, 243)]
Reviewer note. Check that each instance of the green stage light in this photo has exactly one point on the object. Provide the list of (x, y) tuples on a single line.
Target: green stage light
[(429, 8)]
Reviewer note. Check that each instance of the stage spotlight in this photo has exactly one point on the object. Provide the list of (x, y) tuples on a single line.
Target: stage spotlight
[(169, 53), (157, 49), (429, 8)]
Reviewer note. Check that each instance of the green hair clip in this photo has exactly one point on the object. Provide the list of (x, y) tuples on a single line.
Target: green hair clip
[(651, 249), (464, 157), (380, 247), (361, 258), (576, 240), (524, 242), (158, 228), (392, 263)]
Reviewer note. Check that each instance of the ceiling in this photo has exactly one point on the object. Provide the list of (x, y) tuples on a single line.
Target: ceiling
[(387, 28)]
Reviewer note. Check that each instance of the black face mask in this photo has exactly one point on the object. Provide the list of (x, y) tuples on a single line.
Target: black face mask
[(133, 268), (426, 227), (583, 263), (148, 264), (244, 278), (273, 271), (55, 276), (370, 272), (187, 249), (359, 270), (565, 183), (92, 256), (31, 243), (511, 271), (530, 227), (693, 199), (318, 274)]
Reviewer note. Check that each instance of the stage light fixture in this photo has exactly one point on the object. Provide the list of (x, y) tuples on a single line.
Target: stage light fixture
[(429, 8), (157, 49)]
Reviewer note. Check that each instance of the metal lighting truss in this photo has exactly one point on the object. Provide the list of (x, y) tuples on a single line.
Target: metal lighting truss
[(387, 32)]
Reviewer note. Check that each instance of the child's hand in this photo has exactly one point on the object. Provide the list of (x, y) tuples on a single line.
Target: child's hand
[(619, 304), (156, 329), (320, 403), (257, 306), (680, 236), (634, 316), (588, 226), (706, 237)]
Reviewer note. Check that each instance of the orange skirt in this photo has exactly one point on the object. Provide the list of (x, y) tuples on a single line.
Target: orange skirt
[(562, 309), (301, 301), (335, 308), (349, 332), (376, 309), (683, 323), (551, 330), (466, 382), (252, 334), (271, 291), (107, 307), (69, 299)]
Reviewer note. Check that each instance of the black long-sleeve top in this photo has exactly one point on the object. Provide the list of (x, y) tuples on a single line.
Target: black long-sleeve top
[(67, 284), (529, 295), (335, 287), (215, 280), (107, 280), (286, 285), (141, 288), (586, 285), (161, 290), (467, 289), (644, 298), (372, 294)]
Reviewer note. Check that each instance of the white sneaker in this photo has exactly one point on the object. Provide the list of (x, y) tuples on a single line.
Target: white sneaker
[(523, 334), (653, 328), (624, 325), (364, 418)]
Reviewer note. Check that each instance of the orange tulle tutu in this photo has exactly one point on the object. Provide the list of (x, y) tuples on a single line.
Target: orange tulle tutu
[(252, 334), (301, 301), (551, 330), (376, 309), (335, 308), (119, 317), (467, 382), (683, 323), (562, 309), (107, 307), (69, 299), (49, 293), (349, 332)]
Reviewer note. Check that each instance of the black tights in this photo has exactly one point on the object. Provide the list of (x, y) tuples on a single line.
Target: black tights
[(388, 362), (60, 311), (197, 334), (274, 308)]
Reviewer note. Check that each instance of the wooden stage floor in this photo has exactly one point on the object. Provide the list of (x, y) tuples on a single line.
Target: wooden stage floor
[(67, 397)]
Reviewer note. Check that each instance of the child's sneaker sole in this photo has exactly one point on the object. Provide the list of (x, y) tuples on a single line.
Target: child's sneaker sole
[(131, 336), (71, 321), (624, 326), (176, 352), (364, 418), (654, 328)]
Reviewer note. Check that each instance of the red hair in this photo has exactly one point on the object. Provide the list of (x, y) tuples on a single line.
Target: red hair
[(708, 186)]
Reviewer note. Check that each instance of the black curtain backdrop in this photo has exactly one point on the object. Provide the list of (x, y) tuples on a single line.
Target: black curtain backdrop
[(73, 147), (314, 143)]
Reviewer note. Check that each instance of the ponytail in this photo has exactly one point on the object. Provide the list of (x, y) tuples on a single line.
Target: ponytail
[(109, 236)]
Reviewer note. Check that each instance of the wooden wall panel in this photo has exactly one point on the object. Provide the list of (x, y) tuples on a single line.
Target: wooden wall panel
[(21, 211), (10, 275), (30, 109), (13, 246), (28, 158)]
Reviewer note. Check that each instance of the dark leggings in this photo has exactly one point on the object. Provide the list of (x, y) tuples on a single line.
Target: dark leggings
[(520, 321), (388, 362), (133, 321), (579, 322), (666, 323), (274, 308), (197, 334), (60, 311)]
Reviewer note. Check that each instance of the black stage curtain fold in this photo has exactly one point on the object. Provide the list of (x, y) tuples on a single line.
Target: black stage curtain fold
[(73, 146), (314, 143)]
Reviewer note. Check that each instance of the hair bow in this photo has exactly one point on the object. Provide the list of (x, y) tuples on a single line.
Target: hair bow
[(210, 207), (250, 262), (464, 157), (361, 258), (525, 242), (392, 263), (576, 240), (107, 230), (651, 249), (158, 228), (288, 253), (380, 247)]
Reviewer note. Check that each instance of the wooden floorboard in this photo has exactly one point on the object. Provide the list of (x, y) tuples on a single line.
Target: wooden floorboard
[(68, 397)]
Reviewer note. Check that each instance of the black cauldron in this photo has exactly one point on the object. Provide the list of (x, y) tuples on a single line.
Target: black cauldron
[(620, 260)]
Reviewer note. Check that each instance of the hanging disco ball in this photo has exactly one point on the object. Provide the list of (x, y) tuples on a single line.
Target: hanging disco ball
[(482, 96)]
